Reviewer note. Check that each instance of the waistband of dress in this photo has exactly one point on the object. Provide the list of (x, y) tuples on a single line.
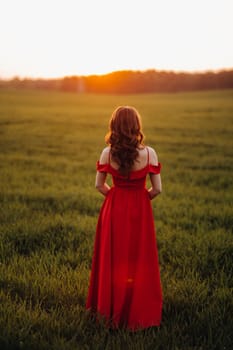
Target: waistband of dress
[(129, 188)]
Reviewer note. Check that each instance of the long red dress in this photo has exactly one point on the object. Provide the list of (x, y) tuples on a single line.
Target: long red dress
[(125, 283)]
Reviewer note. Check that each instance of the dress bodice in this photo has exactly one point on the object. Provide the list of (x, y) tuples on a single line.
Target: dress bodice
[(136, 178)]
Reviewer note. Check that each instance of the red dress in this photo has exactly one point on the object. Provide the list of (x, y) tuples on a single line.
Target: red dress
[(125, 283)]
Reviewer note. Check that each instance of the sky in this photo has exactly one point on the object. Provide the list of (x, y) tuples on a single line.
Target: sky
[(56, 38)]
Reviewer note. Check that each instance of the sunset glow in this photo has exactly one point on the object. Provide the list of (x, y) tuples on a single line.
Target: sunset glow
[(51, 38)]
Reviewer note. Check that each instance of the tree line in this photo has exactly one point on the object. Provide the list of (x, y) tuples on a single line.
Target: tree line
[(128, 81)]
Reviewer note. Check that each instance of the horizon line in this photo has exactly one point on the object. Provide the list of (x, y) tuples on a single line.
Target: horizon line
[(187, 71)]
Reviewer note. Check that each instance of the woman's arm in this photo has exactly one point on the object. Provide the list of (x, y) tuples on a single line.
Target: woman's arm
[(100, 183), (156, 185), (154, 178)]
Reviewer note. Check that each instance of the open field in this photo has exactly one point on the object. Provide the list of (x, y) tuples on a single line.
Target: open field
[(49, 144)]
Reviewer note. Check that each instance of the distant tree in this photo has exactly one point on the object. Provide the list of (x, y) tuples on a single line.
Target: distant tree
[(128, 81)]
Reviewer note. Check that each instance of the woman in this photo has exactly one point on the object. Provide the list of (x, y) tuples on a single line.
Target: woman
[(125, 282)]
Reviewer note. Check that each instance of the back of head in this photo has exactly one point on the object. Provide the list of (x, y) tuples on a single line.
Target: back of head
[(125, 135)]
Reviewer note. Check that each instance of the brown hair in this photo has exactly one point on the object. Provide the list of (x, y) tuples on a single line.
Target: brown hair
[(124, 137)]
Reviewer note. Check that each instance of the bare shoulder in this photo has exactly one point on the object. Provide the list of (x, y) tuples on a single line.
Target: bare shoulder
[(105, 155), (153, 156)]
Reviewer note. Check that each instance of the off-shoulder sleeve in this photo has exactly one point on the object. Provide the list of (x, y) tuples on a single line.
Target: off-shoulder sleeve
[(155, 169), (102, 168)]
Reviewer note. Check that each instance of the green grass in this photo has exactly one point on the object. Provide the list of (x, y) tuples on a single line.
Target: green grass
[(49, 144)]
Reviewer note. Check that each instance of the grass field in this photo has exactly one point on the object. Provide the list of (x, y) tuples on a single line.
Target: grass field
[(49, 144)]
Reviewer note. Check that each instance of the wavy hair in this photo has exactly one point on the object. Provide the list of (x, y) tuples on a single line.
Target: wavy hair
[(124, 137)]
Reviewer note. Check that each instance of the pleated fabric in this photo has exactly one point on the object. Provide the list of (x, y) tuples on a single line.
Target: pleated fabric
[(125, 287)]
